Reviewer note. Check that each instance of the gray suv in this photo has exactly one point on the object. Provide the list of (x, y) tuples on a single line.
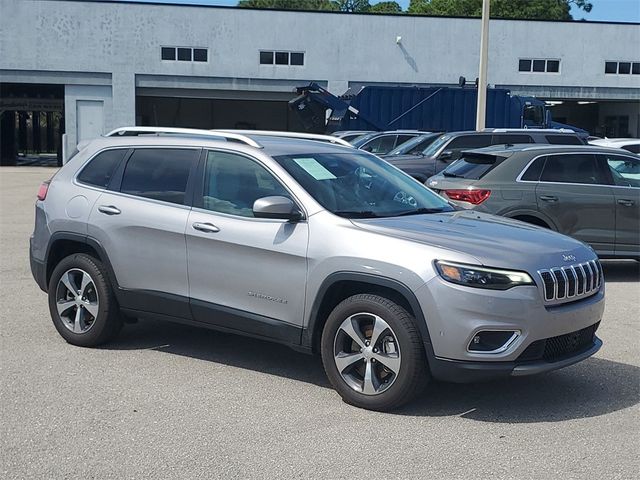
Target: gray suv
[(589, 193), (447, 148), (321, 247)]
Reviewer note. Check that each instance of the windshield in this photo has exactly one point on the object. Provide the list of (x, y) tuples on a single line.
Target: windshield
[(435, 146), (414, 146), (359, 185), (470, 166)]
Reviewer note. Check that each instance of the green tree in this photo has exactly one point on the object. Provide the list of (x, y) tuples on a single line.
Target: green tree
[(386, 7), (525, 9), (356, 6), (291, 4)]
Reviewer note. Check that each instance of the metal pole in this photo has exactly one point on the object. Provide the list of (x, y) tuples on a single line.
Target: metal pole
[(481, 111)]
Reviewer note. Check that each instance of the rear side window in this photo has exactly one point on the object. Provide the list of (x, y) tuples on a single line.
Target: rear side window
[(535, 169), (632, 148), (380, 145), (403, 139), (100, 169), (160, 174), (573, 168), (472, 167), (563, 140), (469, 141), (513, 139)]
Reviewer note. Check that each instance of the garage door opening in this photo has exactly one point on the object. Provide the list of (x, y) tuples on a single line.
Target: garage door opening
[(31, 124), (207, 113)]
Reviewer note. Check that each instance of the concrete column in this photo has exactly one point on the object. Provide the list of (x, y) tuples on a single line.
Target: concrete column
[(124, 100)]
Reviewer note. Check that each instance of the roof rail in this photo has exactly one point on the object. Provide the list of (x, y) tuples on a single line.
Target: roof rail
[(524, 130), (305, 136), (215, 135)]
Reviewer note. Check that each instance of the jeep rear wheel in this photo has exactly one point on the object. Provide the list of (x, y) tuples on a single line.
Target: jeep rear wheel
[(373, 354), (81, 302)]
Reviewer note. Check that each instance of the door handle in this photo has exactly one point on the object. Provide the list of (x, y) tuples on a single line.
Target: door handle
[(109, 210), (548, 198), (626, 203), (206, 227)]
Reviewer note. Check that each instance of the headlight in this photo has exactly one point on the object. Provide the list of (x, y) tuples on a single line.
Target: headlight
[(481, 277)]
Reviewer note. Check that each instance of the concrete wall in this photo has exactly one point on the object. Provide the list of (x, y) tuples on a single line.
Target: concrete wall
[(125, 39)]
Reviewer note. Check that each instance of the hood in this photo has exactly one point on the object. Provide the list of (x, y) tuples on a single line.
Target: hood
[(494, 241)]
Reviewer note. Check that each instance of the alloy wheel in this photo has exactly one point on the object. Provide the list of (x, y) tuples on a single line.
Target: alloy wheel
[(366, 353), (77, 300)]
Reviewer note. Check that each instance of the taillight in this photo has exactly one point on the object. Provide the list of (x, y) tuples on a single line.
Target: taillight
[(475, 197), (42, 191)]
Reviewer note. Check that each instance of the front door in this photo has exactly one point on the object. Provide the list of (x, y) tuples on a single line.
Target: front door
[(574, 193), (245, 273), (625, 173)]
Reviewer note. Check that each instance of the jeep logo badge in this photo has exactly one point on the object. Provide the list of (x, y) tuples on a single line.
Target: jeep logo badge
[(569, 258)]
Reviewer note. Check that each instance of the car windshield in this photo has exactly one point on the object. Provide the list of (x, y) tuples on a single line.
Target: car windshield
[(359, 185), (414, 146), (431, 150)]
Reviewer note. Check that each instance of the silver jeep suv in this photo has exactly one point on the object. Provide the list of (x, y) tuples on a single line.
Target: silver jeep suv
[(319, 246)]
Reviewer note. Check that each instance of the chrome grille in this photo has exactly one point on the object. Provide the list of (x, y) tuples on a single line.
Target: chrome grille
[(572, 281)]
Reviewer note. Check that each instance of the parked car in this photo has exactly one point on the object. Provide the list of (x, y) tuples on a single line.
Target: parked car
[(590, 193), (351, 135), (321, 247), (629, 144), (381, 143), (415, 146), (448, 147)]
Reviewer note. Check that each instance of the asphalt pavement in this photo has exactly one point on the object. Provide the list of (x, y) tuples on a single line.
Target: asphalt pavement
[(172, 402)]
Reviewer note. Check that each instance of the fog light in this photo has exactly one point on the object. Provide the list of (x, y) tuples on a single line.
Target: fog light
[(492, 341)]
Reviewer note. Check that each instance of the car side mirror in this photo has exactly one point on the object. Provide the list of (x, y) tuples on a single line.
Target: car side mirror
[(446, 155), (276, 207)]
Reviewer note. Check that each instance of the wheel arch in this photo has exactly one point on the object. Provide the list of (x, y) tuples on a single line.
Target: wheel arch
[(533, 217), (340, 285), (63, 244)]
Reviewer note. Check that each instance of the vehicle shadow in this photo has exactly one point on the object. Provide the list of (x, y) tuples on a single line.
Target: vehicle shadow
[(621, 270), (591, 388)]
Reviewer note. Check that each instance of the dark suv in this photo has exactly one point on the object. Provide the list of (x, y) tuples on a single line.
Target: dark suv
[(589, 193), (448, 147)]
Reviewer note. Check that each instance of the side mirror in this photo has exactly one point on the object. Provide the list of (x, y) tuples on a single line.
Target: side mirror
[(277, 207), (446, 155)]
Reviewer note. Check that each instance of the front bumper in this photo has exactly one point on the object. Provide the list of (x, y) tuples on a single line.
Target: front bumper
[(455, 314), (465, 372)]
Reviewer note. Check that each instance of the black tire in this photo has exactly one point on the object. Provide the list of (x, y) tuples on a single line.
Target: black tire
[(413, 373), (107, 323)]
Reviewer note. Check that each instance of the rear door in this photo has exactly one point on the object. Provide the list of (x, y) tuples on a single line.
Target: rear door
[(625, 176), (574, 193), (140, 222)]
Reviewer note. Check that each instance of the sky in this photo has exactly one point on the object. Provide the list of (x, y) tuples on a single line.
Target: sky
[(603, 10)]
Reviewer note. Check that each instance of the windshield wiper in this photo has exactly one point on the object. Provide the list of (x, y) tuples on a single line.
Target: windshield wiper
[(453, 175), (421, 211), (356, 213)]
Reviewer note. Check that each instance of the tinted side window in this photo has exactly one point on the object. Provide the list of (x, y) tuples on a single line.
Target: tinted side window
[(513, 139), (632, 148), (563, 140), (381, 144), (404, 138), (533, 172), (233, 182), (469, 141), (160, 174), (624, 170), (99, 170), (572, 168)]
